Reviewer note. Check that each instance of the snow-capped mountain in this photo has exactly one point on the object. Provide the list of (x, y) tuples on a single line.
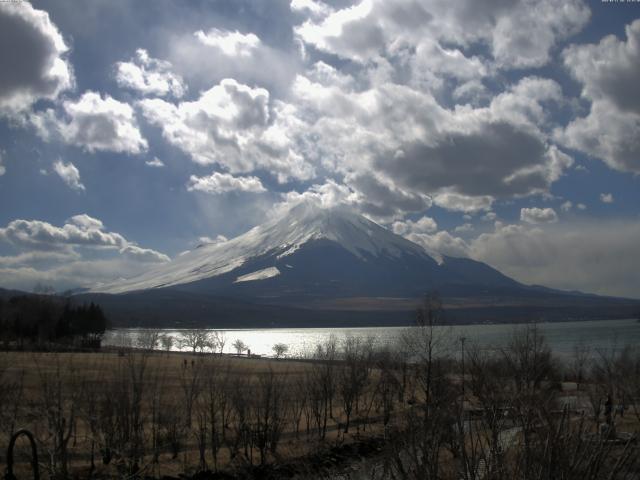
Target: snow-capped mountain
[(329, 267), (311, 251)]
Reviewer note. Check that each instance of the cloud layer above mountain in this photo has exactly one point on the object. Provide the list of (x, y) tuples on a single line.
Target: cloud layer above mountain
[(446, 122)]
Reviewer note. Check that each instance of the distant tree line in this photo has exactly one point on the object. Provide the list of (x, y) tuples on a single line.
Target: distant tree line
[(41, 319)]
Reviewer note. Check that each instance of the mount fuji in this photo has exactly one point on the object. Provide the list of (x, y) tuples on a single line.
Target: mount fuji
[(321, 266), (314, 252)]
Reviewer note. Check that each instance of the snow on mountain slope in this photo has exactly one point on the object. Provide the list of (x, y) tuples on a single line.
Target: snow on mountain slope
[(280, 237), (263, 274)]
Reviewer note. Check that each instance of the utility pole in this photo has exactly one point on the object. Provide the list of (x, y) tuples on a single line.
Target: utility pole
[(462, 340)]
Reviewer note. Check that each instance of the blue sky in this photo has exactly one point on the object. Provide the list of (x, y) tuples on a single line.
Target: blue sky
[(506, 131)]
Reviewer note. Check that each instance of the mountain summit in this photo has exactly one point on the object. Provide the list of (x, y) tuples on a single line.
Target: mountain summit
[(313, 252)]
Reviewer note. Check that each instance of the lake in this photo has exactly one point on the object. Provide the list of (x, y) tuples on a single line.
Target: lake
[(561, 336)]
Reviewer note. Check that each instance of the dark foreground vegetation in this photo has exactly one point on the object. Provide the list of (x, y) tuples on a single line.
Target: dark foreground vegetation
[(40, 321), (427, 410)]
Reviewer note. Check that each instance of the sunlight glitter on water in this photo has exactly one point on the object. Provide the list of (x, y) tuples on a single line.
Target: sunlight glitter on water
[(301, 342)]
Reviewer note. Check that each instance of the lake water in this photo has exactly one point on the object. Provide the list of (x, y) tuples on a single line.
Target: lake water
[(561, 336)]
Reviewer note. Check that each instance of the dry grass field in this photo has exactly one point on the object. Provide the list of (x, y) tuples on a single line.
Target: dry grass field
[(515, 413), (152, 412)]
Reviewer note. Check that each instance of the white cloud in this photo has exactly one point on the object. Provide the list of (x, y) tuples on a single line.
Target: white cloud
[(145, 255), (86, 222), (422, 225), (217, 183), (313, 7), (63, 275), (149, 76), (2, 167), (328, 194), (36, 234), (32, 58), (606, 198), (234, 126), (79, 231), (375, 198), (69, 174), (212, 241), (37, 257), (520, 34), (155, 162), (206, 58), (569, 205), (71, 255), (538, 215), (525, 37), (464, 158), (95, 123), (610, 69), (441, 243), (598, 256), (609, 72), (350, 32), (387, 116), (464, 228), (233, 44), (463, 203), (566, 206), (607, 133)]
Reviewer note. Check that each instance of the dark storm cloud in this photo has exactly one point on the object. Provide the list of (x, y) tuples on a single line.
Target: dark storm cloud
[(475, 163)]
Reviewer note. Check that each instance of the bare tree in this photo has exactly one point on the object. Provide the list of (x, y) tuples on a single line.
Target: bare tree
[(60, 393), (579, 363), (216, 403), (136, 371), (166, 341), (171, 426), (239, 346), (148, 339), (155, 394), (280, 349), (418, 445), (241, 422), (268, 414), (191, 385), (321, 384), (196, 340), (387, 387), (218, 342), (11, 390), (490, 386), (298, 398), (353, 375)]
